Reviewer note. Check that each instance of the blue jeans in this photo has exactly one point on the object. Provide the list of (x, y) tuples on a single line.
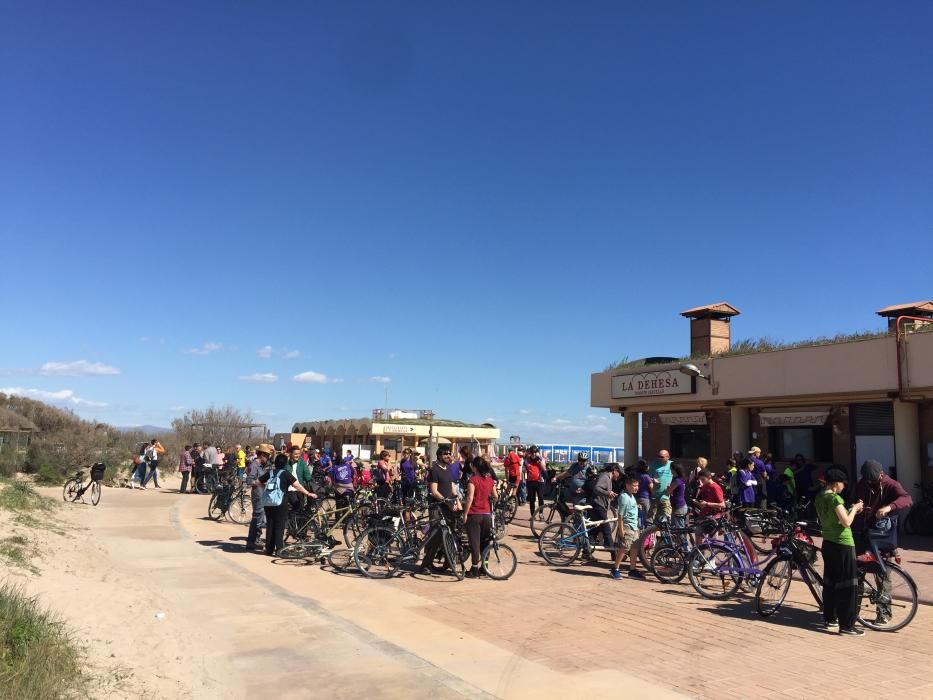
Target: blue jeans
[(522, 496), (152, 474), (258, 521), (140, 472)]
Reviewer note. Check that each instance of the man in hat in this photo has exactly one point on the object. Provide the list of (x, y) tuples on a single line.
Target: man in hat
[(256, 469), (882, 496)]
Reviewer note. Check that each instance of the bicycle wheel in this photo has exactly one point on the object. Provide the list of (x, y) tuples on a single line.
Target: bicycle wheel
[(668, 564), (511, 506), (559, 544), (216, 508), (453, 553), (95, 492), (499, 561), (69, 490), (377, 552), (646, 541), (714, 571), (543, 518), (773, 586), (341, 559), (240, 509), (300, 550), (887, 601), (501, 529), (327, 506), (354, 526), (201, 485)]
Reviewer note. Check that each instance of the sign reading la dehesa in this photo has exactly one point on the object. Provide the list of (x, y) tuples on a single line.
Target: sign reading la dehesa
[(651, 384)]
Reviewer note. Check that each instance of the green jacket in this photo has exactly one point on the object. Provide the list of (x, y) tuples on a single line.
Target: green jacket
[(303, 472)]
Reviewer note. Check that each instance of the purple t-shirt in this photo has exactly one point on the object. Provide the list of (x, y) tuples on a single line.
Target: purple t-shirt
[(678, 498), (644, 488)]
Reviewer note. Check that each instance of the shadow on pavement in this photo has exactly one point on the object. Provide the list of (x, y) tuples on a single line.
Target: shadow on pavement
[(224, 546), (787, 616)]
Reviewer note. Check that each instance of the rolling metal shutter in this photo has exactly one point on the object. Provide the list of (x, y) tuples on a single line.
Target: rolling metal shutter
[(874, 418)]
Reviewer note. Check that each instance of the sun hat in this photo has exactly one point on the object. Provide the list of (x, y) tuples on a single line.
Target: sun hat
[(265, 448)]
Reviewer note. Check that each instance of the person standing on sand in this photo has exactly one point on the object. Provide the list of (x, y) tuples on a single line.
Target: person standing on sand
[(185, 465)]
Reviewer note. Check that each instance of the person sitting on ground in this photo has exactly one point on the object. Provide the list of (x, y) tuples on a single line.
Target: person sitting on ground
[(627, 531), (479, 512), (840, 575)]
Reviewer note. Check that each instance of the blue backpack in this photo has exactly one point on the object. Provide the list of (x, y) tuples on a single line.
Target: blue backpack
[(273, 494)]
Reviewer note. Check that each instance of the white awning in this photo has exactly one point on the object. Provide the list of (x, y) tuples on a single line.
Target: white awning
[(793, 417), (692, 418)]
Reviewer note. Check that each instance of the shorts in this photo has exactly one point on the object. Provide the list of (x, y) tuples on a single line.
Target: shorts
[(629, 539)]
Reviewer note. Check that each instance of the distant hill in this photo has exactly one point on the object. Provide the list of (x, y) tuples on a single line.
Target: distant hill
[(151, 429)]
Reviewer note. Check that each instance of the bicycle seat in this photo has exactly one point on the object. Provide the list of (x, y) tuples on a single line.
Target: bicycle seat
[(579, 508)]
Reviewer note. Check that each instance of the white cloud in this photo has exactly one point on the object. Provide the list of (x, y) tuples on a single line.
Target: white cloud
[(291, 354), (65, 396), (314, 378), (524, 411), (205, 349), (260, 377), (489, 420), (176, 409), (379, 380), (265, 352), (78, 368), (561, 421)]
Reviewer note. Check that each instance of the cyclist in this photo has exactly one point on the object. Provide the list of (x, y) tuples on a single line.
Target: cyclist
[(442, 492), (599, 500), (341, 476), (536, 475), (407, 475), (479, 513), (577, 473), (513, 471), (883, 497), (661, 476), (299, 469), (257, 468), (840, 575)]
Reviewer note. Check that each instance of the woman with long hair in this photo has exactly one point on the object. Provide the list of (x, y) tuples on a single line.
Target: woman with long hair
[(479, 511)]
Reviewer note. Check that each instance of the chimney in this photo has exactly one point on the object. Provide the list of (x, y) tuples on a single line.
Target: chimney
[(917, 309), (709, 328)]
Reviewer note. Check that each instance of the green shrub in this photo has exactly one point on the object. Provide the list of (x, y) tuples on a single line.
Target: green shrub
[(38, 657), (11, 461), (20, 496)]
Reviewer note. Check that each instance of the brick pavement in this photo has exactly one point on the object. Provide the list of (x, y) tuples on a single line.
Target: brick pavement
[(575, 619)]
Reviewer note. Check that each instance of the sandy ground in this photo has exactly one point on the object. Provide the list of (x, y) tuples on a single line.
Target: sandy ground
[(169, 606)]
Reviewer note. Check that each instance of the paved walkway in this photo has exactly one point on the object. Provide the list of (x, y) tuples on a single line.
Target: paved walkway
[(578, 622), (234, 620)]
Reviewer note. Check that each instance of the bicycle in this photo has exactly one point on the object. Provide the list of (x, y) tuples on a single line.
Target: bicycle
[(561, 543), (75, 488), (498, 560), (554, 508), (884, 588), (311, 524), (227, 490), (381, 550)]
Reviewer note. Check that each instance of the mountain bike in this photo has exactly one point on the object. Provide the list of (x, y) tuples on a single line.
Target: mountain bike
[(561, 543), (887, 595), (75, 488), (309, 523), (498, 560)]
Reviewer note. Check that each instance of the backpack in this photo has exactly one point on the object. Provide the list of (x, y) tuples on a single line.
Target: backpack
[(273, 494), (343, 474)]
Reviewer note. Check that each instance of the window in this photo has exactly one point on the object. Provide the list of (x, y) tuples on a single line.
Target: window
[(816, 444), (391, 444), (689, 442)]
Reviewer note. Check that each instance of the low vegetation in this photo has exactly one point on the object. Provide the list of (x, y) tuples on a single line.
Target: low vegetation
[(39, 659)]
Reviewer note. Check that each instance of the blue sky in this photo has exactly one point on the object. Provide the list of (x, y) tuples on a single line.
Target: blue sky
[(475, 206)]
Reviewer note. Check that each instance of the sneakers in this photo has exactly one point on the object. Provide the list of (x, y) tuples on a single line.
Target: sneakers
[(616, 574), (853, 632), (473, 573), (831, 626), (636, 574)]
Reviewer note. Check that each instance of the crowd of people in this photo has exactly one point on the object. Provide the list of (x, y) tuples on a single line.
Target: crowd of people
[(463, 486)]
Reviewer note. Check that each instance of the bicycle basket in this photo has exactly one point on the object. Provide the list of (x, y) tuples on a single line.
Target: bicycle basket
[(97, 471), (804, 551)]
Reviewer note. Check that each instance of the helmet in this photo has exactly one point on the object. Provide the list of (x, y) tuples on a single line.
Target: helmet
[(583, 456)]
